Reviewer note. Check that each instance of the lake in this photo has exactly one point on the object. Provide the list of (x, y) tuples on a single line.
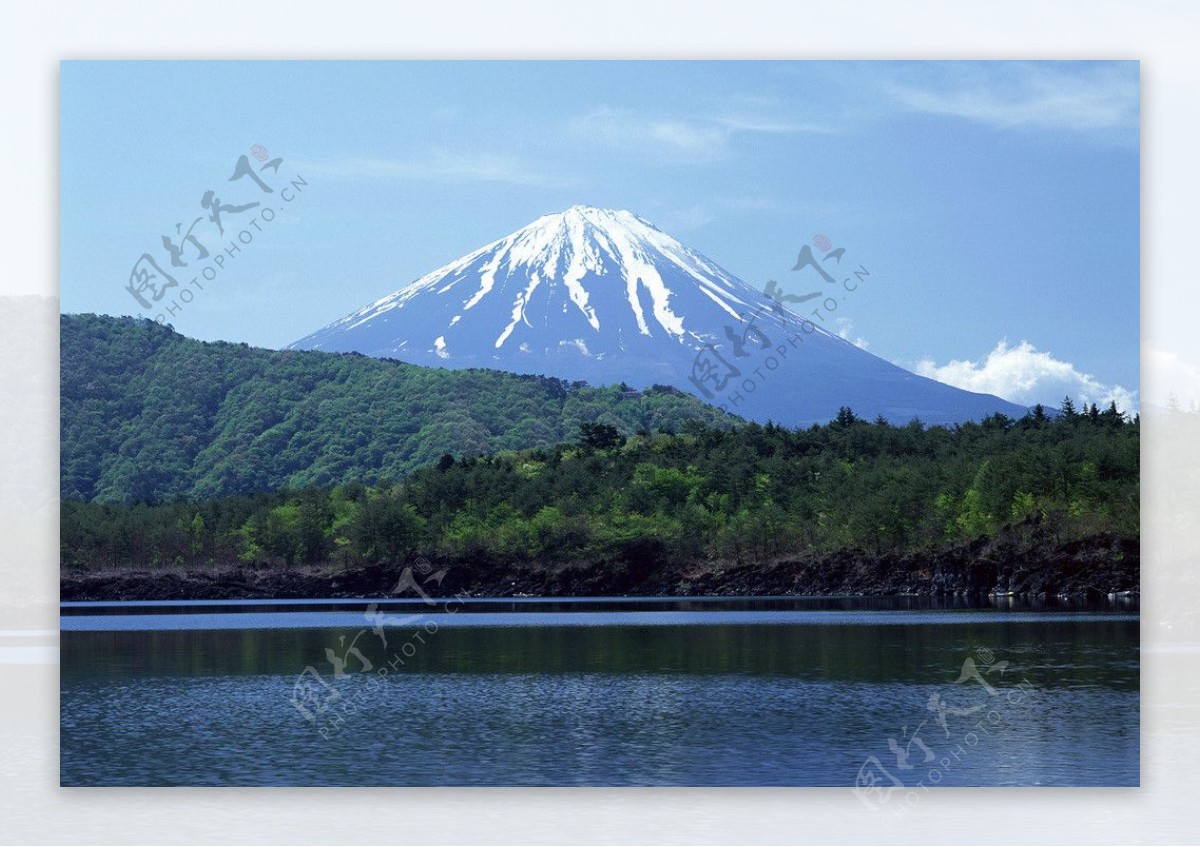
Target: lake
[(886, 694)]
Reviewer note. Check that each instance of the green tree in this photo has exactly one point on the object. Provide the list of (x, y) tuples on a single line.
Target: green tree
[(600, 436)]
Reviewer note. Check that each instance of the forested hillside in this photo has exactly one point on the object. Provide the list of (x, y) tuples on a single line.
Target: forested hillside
[(149, 415), (752, 494)]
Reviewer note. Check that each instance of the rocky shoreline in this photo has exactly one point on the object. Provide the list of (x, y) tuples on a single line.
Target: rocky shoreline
[(1092, 568)]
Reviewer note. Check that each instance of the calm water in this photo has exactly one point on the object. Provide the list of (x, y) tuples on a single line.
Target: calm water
[(775, 691)]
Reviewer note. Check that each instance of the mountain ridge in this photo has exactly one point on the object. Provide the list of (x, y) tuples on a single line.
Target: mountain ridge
[(148, 414)]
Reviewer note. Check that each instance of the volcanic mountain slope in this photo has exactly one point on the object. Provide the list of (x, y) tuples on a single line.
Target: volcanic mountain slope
[(607, 297)]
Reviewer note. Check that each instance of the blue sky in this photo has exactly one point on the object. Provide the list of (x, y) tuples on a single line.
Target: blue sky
[(995, 204)]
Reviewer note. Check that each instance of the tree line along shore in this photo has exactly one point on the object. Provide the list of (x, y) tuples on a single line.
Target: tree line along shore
[(1044, 505)]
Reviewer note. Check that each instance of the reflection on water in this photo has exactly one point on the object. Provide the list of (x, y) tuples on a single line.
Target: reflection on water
[(779, 698)]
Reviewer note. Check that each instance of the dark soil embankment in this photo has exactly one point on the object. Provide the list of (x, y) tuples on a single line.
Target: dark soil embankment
[(1092, 567)]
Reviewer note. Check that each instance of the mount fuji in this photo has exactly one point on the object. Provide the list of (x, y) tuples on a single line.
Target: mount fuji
[(605, 296)]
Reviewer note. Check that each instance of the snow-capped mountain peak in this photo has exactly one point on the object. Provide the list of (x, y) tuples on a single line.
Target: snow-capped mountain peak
[(606, 296), (583, 260)]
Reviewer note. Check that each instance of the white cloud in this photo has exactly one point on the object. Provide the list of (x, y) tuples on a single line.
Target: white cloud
[(770, 126), (1025, 375), (845, 329), (1059, 95), (697, 215), (692, 217), (623, 130), (751, 203), (690, 140), (438, 166)]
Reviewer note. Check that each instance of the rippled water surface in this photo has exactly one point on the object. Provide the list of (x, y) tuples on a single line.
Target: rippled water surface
[(774, 691)]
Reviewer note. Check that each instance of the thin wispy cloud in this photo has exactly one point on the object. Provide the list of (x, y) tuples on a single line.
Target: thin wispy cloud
[(691, 140), (714, 208), (770, 126), (1026, 375), (751, 203), (1078, 96), (687, 218), (623, 130), (440, 166)]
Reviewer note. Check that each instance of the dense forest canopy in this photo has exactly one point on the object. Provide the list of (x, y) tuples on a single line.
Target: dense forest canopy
[(751, 493), (148, 415)]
